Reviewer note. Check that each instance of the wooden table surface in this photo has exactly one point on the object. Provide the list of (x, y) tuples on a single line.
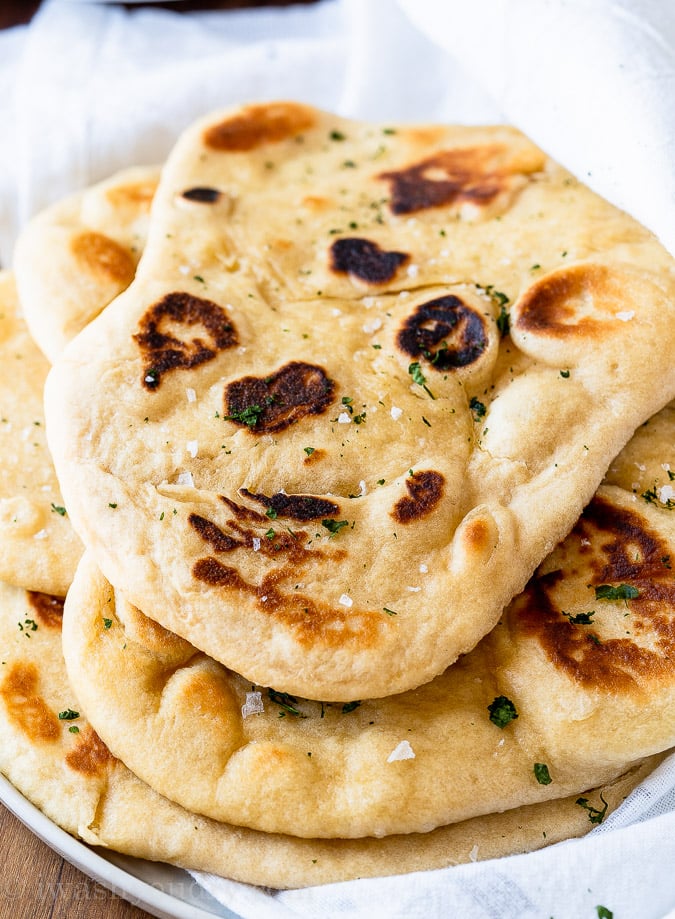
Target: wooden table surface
[(35, 882)]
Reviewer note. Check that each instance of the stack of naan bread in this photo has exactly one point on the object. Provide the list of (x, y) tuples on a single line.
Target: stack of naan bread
[(368, 575)]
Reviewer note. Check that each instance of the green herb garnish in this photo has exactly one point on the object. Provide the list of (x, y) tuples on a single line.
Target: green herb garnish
[(285, 701), (334, 526), (107, 623), (580, 618), (651, 497), (621, 592), (309, 450), (249, 415), (594, 815), (68, 715), (61, 511), (418, 377), (565, 374), (478, 409), (541, 774), (502, 711)]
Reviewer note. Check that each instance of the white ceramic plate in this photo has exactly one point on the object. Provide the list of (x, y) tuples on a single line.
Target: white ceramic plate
[(161, 890)]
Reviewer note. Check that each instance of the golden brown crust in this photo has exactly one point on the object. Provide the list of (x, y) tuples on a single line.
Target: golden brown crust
[(257, 125)]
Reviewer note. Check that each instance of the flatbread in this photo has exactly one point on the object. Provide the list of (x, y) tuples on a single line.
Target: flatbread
[(584, 655), (38, 548), (61, 765), (74, 257), (321, 440)]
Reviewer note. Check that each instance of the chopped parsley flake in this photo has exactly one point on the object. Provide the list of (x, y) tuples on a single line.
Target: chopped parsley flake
[(595, 815), (418, 377), (478, 409), (334, 526), (107, 623), (309, 450), (604, 913), (271, 513), (61, 511), (270, 534), (541, 774), (565, 374), (621, 592), (68, 715), (74, 729), (286, 702), (389, 612), (503, 320), (249, 415), (112, 504), (28, 626), (502, 711), (337, 135), (580, 618)]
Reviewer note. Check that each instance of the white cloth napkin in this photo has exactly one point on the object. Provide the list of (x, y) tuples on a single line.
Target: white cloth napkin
[(87, 89)]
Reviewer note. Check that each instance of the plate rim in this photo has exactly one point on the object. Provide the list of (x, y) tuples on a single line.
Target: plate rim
[(93, 863)]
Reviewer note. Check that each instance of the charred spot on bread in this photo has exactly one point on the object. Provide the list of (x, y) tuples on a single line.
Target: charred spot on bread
[(162, 326), (466, 174), (447, 332), (425, 490), (297, 507), (612, 545), (256, 125), (90, 756), (47, 608), (202, 194), (270, 404), (26, 709), (574, 302), (103, 257), (365, 260)]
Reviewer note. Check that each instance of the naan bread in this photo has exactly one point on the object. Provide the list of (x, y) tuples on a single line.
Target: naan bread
[(584, 654), (73, 258), (57, 761), (38, 548), (327, 467)]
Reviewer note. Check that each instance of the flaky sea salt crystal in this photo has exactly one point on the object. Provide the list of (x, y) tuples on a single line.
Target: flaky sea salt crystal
[(253, 705), (626, 315), (344, 418), (192, 446), (191, 394), (396, 412), (346, 601), (402, 751), (186, 478)]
